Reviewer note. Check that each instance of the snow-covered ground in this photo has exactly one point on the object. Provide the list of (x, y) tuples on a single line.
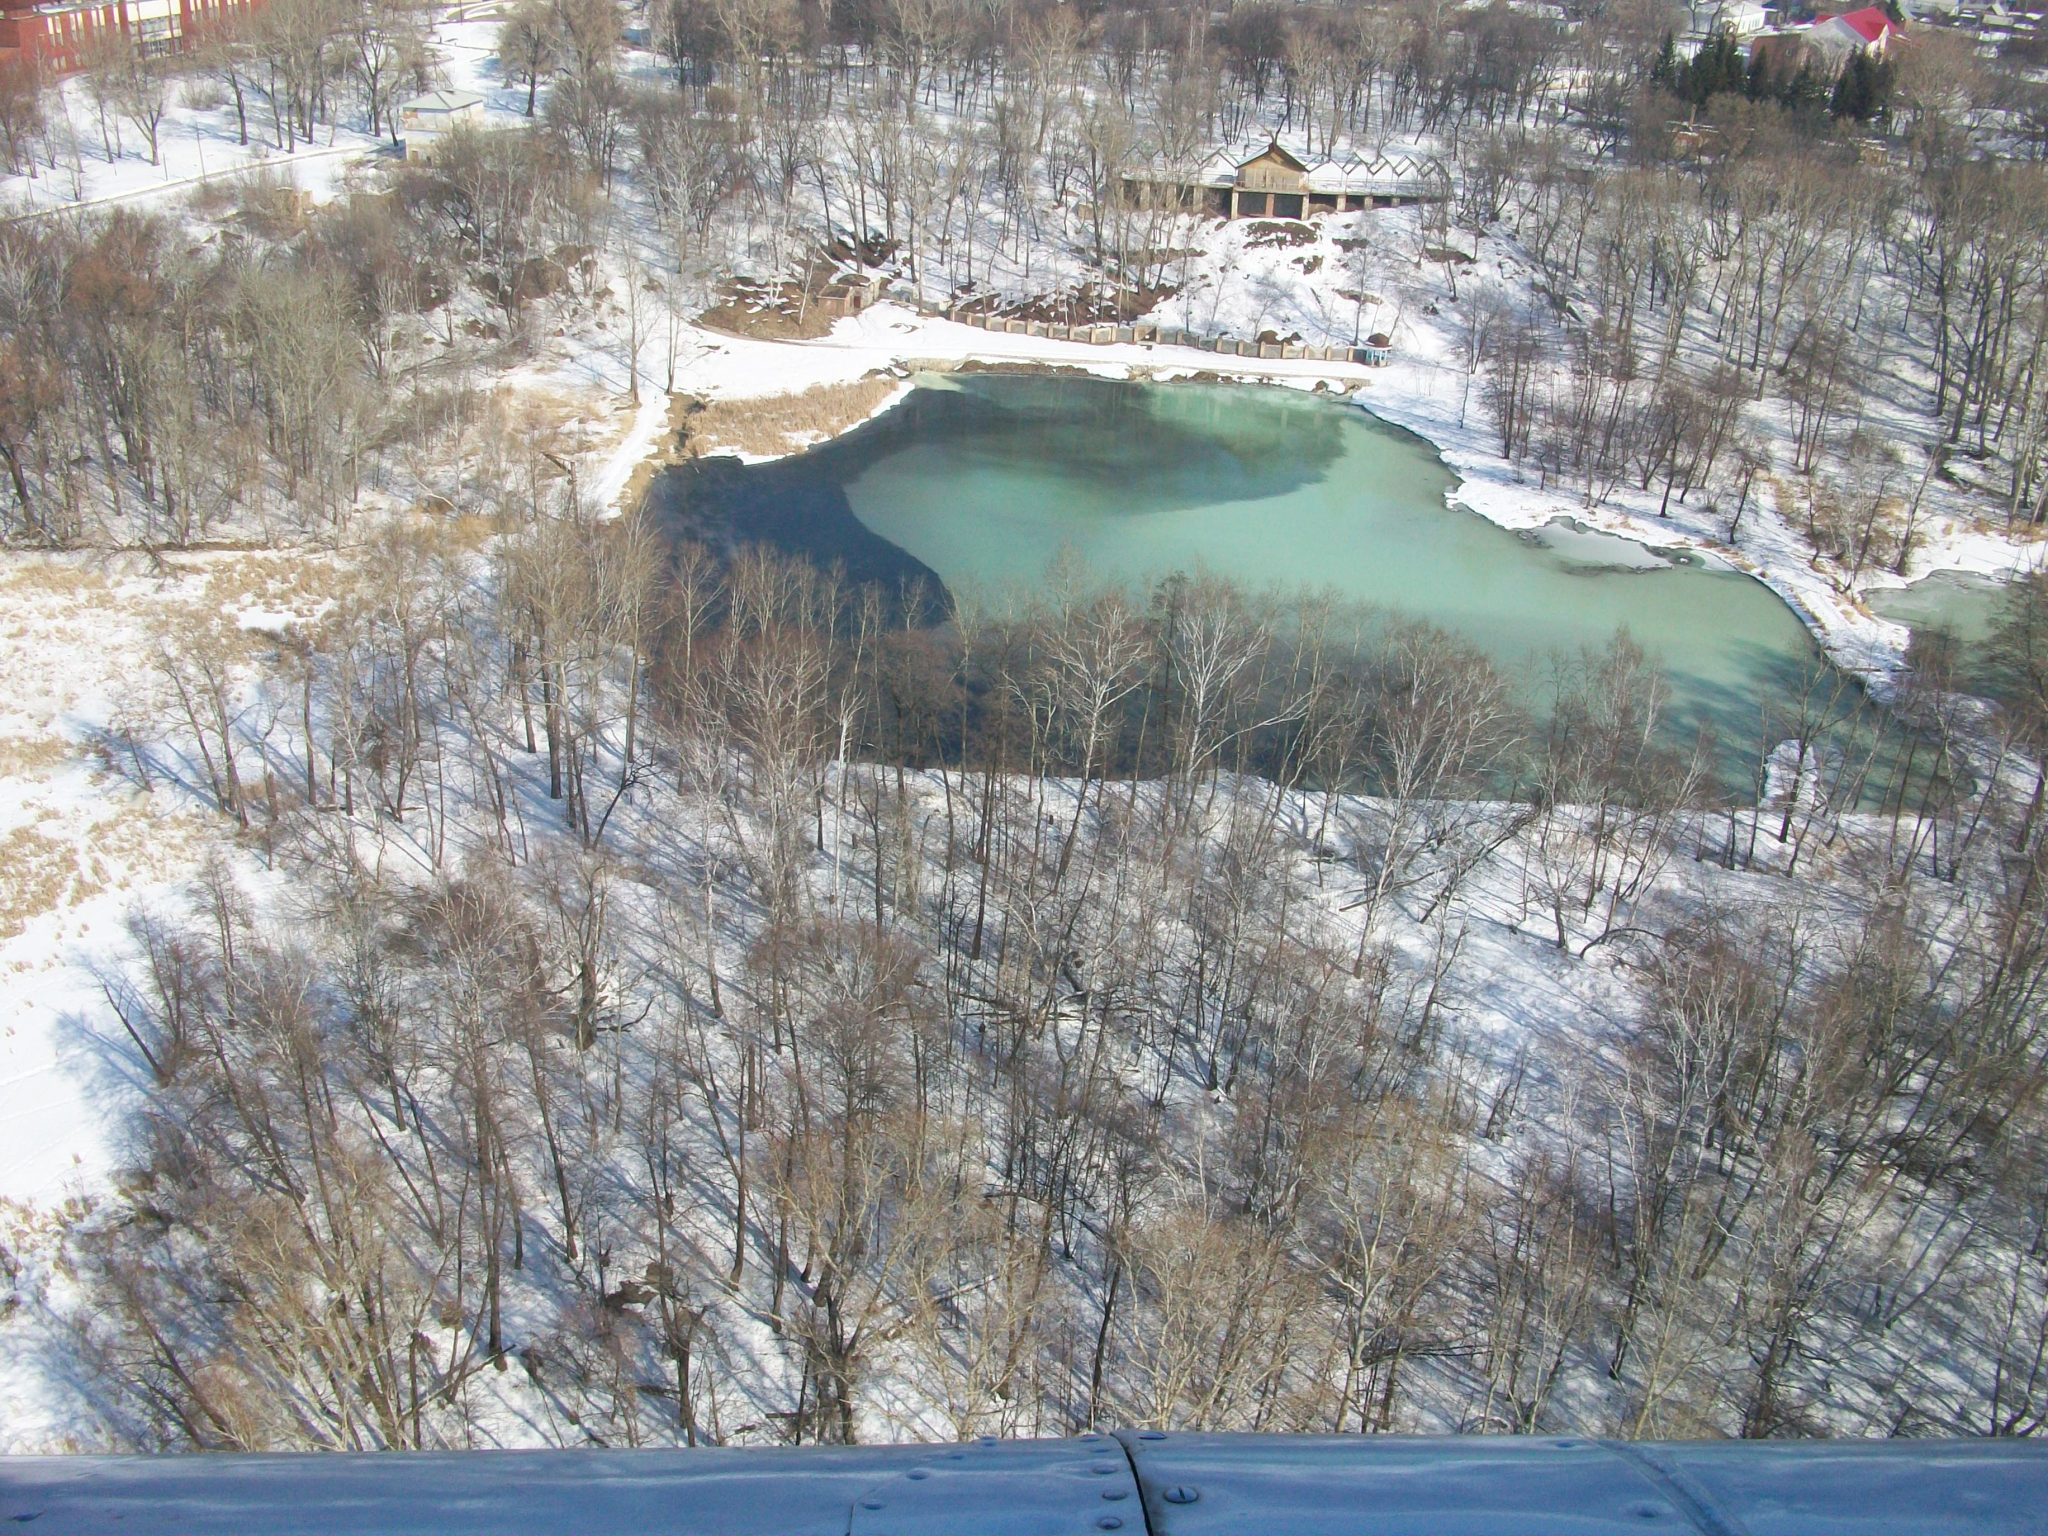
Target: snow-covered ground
[(85, 846), (1241, 282), (200, 140), (64, 811)]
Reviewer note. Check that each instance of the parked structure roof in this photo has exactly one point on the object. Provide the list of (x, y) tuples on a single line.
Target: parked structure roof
[(442, 101)]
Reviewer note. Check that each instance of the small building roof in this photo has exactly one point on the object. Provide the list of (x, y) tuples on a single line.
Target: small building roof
[(1390, 171), (1275, 150), (442, 101), (1871, 23), (1387, 172)]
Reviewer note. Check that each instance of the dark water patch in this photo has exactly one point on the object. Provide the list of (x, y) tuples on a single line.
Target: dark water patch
[(724, 503)]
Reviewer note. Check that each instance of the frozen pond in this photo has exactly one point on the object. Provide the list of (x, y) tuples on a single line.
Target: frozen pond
[(1964, 604), (1968, 607), (980, 481)]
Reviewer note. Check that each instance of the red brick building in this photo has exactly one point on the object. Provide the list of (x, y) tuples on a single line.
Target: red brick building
[(53, 31)]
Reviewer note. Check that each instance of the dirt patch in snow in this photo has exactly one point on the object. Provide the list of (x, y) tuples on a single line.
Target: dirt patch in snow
[(1278, 232), (779, 313)]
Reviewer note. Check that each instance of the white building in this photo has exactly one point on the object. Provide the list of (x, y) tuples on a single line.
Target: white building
[(1743, 18), (1869, 30), (426, 120)]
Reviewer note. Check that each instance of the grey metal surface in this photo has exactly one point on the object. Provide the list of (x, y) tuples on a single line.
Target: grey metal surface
[(457, 1493), (1389, 1485), (1862, 1487), (1080, 1487), (1314, 1485), (1185, 1485)]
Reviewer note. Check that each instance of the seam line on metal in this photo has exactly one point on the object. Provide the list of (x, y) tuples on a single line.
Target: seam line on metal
[(1137, 1481), (1693, 1501)]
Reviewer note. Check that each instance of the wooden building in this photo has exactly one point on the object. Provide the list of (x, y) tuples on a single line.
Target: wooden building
[(1275, 183)]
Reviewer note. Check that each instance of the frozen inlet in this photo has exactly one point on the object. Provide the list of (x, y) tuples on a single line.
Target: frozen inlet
[(1133, 1483)]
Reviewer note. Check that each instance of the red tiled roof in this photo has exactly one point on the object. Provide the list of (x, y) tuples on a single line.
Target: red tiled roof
[(1870, 23)]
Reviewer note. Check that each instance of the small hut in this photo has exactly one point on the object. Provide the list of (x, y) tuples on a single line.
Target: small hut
[(426, 121)]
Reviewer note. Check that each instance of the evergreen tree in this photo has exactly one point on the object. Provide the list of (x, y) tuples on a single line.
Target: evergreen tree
[(1665, 71), (1864, 90), (1716, 68), (1805, 91), (1759, 84)]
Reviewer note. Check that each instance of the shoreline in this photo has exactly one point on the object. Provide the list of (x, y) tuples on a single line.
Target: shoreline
[(1408, 395)]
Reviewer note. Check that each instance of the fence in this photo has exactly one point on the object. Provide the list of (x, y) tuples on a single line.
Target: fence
[(281, 163), (1105, 334)]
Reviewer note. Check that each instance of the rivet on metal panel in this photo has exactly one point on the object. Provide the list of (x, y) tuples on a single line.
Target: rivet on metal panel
[(1116, 1493), (1102, 1448), (870, 1503), (1102, 1469), (1649, 1511), (918, 1474), (1153, 1434), (1182, 1493), (1109, 1522)]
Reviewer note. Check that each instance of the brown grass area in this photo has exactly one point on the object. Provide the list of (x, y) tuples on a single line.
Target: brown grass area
[(297, 582), (778, 424), (68, 631), (48, 576), (545, 420), (64, 860), (72, 630), (20, 755), (37, 589), (41, 873)]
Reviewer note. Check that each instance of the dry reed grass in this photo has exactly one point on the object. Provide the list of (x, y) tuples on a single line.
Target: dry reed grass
[(41, 873), (64, 860), (70, 632), (777, 424), (24, 755)]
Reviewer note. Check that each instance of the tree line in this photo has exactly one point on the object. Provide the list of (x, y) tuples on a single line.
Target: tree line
[(1725, 311), (746, 1050)]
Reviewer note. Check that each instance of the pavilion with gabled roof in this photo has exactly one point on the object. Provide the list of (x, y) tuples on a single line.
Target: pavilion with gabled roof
[(1273, 182)]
